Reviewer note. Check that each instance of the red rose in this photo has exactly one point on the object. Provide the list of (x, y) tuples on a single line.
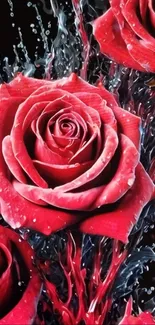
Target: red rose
[(126, 33), (144, 318), (19, 282), (69, 155)]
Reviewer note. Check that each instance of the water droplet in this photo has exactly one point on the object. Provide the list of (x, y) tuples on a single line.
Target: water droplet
[(42, 30), (18, 225), (130, 181), (34, 31), (129, 47), (149, 291), (47, 32)]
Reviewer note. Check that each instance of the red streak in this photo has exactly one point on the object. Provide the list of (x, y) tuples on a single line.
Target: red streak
[(93, 293)]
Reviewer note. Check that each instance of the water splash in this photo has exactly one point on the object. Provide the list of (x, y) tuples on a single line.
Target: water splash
[(53, 8), (43, 34), (78, 9), (11, 8)]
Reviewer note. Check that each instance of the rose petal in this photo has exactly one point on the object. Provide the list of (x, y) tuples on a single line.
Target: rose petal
[(74, 82), (6, 279), (25, 86), (125, 174), (107, 33), (41, 149), (15, 210), (18, 145), (66, 152), (71, 147), (73, 143), (129, 12), (143, 5), (129, 125), (142, 319), (72, 129), (111, 143), (151, 171), (88, 113), (44, 154), (27, 195), (21, 86), (118, 223), (76, 119), (19, 148), (28, 302), (11, 161), (50, 110), (32, 114), (60, 174), (152, 12), (85, 152), (19, 212), (69, 201), (8, 107), (141, 54), (106, 113), (106, 95)]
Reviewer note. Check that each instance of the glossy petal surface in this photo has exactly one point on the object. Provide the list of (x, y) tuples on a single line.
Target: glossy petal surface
[(24, 310), (126, 34)]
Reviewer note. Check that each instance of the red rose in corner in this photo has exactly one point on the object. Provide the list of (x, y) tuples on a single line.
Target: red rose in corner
[(144, 318), (126, 33), (69, 155), (19, 281)]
